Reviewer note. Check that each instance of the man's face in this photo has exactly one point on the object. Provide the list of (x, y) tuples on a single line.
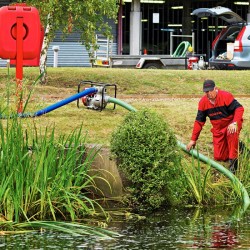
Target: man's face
[(211, 95)]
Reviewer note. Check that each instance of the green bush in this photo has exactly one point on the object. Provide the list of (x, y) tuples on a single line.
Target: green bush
[(147, 154)]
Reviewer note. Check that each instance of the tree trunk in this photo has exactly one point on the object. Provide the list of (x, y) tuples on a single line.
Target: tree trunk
[(44, 52)]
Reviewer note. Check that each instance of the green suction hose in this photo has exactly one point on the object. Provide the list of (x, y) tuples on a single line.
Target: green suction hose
[(223, 170), (121, 103)]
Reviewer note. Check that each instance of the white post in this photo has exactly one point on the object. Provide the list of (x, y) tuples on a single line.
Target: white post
[(135, 28), (8, 63), (171, 43), (248, 17), (56, 49), (193, 42)]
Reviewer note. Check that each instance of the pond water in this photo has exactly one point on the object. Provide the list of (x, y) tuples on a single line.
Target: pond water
[(209, 228)]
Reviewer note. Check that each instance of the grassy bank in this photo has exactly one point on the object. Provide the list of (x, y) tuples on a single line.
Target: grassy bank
[(172, 93), (132, 81)]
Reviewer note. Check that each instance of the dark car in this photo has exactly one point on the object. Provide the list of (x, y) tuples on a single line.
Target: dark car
[(231, 48)]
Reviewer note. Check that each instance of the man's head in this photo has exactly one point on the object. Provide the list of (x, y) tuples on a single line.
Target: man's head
[(210, 89), (208, 85)]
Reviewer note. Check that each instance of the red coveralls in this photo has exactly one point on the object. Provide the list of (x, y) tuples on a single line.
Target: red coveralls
[(222, 113)]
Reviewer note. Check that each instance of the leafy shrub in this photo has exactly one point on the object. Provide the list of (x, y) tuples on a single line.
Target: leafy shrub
[(146, 152)]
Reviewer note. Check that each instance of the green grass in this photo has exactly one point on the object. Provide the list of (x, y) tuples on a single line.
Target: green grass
[(45, 182), (43, 178), (172, 93), (133, 81)]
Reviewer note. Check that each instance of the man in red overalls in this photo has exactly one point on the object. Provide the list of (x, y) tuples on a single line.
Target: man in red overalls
[(225, 115)]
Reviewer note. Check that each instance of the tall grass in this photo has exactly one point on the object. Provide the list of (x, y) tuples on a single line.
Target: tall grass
[(243, 171), (45, 182), (42, 178), (208, 186), (197, 180)]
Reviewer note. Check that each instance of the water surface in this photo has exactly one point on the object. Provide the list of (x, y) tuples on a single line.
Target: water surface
[(207, 228)]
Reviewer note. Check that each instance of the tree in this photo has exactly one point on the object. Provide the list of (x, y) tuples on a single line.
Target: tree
[(85, 17)]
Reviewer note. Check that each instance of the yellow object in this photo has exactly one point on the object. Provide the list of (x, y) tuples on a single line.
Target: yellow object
[(190, 49)]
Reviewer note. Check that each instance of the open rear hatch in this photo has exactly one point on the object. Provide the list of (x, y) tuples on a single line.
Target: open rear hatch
[(223, 45), (224, 13)]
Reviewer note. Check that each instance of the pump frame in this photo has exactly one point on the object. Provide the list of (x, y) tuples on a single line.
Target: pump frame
[(92, 84)]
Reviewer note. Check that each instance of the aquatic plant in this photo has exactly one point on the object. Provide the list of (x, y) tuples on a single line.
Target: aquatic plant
[(45, 182), (196, 180), (208, 186), (43, 178)]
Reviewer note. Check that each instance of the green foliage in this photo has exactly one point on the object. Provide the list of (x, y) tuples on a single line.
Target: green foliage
[(74, 228), (43, 178), (146, 152), (197, 180), (243, 172), (85, 17)]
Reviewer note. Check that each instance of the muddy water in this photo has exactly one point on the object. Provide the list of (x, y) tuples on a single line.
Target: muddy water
[(209, 228)]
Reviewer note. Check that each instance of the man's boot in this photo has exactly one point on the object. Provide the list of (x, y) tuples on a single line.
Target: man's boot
[(233, 165)]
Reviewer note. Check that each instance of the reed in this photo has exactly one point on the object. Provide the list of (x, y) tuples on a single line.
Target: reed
[(197, 179), (42, 178), (45, 182), (74, 229), (208, 186)]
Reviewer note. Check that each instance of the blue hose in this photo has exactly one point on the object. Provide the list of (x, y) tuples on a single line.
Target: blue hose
[(53, 106), (64, 102)]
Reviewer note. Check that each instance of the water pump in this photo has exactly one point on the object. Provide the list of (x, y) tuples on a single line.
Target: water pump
[(98, 100)]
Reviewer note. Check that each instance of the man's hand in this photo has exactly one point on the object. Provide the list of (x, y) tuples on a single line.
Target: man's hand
[(232, 128), (190, 145)]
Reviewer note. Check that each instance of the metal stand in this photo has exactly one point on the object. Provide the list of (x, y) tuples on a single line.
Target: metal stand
[(171, 40), (91, 84)]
